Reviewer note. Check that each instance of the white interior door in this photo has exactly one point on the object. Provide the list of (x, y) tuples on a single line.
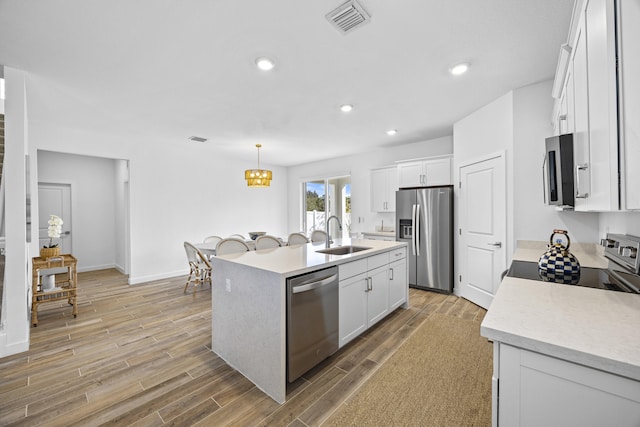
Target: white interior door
[(482, 221), (55, 199)]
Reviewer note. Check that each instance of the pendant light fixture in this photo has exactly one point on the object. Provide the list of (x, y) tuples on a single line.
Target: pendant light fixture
[(258, 177)]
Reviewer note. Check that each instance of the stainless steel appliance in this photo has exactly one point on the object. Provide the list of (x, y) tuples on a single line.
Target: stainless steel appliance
[(622, 274), (312, 320), (558, 173), (622, 251), (424, 220)]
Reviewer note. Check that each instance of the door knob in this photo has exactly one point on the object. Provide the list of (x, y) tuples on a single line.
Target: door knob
[(495, 244)]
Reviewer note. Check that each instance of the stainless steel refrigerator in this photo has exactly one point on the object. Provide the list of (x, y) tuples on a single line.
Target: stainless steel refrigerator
[(424, 219)]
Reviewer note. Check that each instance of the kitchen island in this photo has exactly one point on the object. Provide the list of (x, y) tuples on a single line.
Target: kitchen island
[(564, 355), (249, 303)]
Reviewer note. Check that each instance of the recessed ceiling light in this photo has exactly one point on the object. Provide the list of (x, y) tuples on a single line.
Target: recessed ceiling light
[(265, 64), (346, 108), (392, 132), (458, 69), (197, 139)]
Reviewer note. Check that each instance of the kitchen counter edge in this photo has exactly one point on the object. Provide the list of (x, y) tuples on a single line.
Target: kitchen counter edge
[(591, 327), (295, 260)]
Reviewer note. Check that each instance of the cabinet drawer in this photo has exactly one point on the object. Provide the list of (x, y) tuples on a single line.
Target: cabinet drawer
[(376, 261), (352, 268), (398, 254)]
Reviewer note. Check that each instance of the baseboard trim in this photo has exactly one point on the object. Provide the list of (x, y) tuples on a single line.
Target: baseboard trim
[(153, 277)]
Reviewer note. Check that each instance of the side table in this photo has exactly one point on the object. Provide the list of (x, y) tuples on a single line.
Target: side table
[(65, 289)]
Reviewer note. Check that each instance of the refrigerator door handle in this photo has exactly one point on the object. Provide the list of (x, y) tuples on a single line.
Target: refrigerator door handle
[(417, 230), (413, 229)]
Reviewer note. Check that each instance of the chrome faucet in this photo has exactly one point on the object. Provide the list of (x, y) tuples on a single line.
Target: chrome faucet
[(329, 241)]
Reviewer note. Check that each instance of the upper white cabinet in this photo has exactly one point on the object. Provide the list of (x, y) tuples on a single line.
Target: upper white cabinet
[(600, 97), (384, 183), (629, 100), (425, 173)]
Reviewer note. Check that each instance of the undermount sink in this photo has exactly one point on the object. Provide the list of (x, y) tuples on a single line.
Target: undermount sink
[(343, 250)]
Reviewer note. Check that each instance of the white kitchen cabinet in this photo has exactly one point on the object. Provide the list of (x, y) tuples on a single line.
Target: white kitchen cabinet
[(391, 237), (425, 173), (352, 307), (384, 183), (600, 96), (398, 283), (629, 99), (366, 291), (377, 295), (603, 133), (581, 118), (539, 390)]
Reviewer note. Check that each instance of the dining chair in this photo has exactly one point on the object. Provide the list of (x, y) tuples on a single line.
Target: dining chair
[(297, 239), (318, 236), (212, 239), (199, 267), (267, 241), (231, 245)]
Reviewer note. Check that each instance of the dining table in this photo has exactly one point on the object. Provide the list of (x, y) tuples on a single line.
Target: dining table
[(209, 249)]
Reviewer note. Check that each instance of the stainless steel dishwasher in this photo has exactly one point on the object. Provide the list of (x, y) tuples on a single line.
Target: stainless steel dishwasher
[(312, 320)]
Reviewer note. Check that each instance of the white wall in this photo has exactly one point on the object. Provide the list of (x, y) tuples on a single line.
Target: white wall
[(486, 132), (533, 220), (518, 123), (94, 205), (15, 324), (359, 167), (182, 193), (619, 222)]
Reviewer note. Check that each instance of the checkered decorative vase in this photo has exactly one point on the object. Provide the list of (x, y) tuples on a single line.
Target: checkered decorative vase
[(557, 264)]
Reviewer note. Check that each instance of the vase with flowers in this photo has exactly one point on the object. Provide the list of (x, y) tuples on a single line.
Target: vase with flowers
[(54, 231)]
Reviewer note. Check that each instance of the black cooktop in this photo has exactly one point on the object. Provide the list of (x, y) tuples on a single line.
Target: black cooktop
[(588, 277)]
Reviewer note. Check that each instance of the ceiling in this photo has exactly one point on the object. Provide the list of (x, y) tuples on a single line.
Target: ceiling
[(161, 71)]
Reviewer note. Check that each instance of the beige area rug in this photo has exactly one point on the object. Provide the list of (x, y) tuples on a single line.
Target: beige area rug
[(441, 376)]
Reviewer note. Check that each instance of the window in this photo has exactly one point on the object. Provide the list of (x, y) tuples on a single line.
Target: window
[(324, 198)]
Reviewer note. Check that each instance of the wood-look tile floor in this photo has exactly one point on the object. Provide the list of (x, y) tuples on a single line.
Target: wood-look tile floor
[(141, 355)]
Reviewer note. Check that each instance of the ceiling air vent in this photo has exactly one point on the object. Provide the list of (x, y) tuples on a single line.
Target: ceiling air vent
[(348, 17), (197, 139)]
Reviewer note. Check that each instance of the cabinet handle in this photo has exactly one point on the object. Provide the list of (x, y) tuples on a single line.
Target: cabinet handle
[(581, 167), (391, 274)]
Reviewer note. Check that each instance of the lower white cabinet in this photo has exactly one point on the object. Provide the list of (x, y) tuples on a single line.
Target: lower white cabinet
[(370, 289), (532, 389), (352, 308), (398, 283), (377, 295)]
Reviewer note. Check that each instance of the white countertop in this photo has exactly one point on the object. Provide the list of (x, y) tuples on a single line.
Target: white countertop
[(298, 259), (592, 327), (588, 255)]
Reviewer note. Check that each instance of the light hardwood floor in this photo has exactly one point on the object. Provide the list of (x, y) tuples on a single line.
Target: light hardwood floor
[(140, 355)]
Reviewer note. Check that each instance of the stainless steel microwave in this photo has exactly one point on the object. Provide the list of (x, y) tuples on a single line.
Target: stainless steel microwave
[(559, 189)]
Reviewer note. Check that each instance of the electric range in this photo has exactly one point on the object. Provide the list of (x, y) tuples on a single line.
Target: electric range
[(622, 274)]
